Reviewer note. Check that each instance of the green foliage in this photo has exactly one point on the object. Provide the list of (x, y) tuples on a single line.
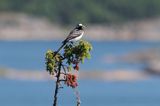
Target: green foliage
[(77, 53), (85, 11), (52, 61), (73, 55), (62, 63)]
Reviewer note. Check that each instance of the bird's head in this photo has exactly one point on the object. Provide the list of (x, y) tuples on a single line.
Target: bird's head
[(80, 26)]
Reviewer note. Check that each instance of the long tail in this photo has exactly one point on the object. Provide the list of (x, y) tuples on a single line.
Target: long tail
[(59, 49)]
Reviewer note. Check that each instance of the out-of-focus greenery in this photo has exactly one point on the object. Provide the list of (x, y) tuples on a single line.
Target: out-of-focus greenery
[(88, 11)]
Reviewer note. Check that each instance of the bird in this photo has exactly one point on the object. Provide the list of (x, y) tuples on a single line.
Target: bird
[(75, 35)]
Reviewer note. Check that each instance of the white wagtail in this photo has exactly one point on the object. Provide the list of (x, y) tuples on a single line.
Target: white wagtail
[(75, 35)]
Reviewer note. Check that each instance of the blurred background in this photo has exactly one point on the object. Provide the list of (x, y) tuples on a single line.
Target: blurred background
[(125, 65)]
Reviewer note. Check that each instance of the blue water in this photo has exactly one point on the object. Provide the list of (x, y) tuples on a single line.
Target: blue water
[(30, 55), (93, 93)]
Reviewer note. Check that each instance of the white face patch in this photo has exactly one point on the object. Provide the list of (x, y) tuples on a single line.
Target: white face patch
[(80, 24)]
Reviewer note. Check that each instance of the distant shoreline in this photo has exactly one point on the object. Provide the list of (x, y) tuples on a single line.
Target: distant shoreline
[(19, 27), (119, 75)]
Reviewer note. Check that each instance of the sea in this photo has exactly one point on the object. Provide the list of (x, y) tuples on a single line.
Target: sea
[(30, 55)]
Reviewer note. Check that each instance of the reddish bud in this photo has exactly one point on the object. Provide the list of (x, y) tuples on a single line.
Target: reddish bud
[(71, 80), (76, 67)]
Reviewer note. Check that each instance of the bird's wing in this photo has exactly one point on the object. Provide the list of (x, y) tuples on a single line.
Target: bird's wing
[(73, 34)]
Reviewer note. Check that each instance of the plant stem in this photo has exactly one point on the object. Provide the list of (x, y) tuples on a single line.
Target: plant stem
[(78, 104), (57, 84)]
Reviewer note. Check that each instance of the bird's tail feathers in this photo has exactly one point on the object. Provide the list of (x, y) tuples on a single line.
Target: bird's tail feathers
[(63, 44), (65, 41)]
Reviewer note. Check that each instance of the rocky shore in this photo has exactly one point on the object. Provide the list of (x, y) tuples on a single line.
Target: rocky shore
[(116, 75), (18, 26), (150, 58)]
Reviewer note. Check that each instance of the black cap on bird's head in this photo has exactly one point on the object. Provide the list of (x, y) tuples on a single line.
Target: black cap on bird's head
[(80, 26)]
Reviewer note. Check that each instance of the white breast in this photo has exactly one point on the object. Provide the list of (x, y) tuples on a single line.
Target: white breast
[(77, 38)]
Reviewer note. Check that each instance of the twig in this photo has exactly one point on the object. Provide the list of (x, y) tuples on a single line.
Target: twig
[(57, 85), (63, 66), (62, 80), (77, 96), (58, 76), (78, 103)]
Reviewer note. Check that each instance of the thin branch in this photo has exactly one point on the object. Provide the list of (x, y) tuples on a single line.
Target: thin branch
[(78, 103), (77, 96), (63, 73), (62, 80), (63, 66), (61, 87), (58, 76), (57, 85)]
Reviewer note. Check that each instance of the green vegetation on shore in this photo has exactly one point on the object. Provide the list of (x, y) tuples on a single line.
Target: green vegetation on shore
[(88, 11)]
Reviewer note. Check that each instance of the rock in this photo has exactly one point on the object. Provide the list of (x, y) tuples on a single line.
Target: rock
[(153, 67), (18, 26)]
